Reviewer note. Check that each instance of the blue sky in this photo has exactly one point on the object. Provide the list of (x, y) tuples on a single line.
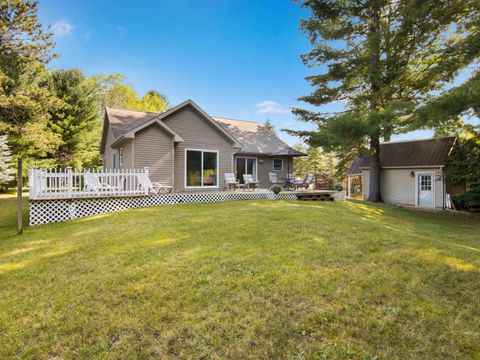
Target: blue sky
[(234, 58)]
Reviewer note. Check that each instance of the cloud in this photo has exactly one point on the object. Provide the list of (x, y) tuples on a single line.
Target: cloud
[(62, 28), (271, 107)]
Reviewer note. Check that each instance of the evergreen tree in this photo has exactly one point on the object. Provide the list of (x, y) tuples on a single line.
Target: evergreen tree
[(269, 125), (78, 123), (382, 59), (24, 105), (6, 169)]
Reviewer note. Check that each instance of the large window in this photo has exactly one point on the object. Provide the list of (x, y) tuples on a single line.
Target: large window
[(201, 168), (277, 164), (246, 165)]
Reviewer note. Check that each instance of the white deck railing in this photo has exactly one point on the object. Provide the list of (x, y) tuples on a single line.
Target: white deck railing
[(67, 184)]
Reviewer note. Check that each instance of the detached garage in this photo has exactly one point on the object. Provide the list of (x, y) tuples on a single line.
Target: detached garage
[(411, 172)]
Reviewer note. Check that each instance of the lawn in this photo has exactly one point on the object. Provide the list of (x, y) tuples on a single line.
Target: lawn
[(251, 279)]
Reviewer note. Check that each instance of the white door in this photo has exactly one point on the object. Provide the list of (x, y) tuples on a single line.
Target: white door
[(425, 190)]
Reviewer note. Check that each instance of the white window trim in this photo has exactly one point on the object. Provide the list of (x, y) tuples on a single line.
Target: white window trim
[(185, 169), (120, 156), (433, 174), (114, 158), (273, 164), (247, 157)]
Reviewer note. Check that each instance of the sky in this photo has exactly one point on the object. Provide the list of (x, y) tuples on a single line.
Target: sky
[(235, 58)]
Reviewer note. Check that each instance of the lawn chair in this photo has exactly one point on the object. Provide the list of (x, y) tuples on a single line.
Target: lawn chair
[(290, 181), (248, 180), (273, 179), (92, 183), (155, 187), (305, 182), (230, 181)]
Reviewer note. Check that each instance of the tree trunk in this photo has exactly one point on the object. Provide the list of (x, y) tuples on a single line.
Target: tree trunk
[(375, 76), (374, 185)]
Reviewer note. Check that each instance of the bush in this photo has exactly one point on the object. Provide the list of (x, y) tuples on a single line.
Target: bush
[(338, 187), (469, 199), (276, 189)]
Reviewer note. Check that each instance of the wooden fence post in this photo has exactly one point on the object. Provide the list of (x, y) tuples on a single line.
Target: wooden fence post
[(147, 176), (69, 181), (19, 197)]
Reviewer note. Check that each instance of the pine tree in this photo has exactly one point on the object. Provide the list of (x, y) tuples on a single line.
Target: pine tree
[(269, 125), (6, 169), (382, 59)]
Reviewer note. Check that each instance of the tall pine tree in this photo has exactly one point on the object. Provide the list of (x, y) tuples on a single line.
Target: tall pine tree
[(382, 59), (6, 169)]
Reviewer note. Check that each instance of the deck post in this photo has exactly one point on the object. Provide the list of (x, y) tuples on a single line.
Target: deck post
[(69, 181), (349, 186), (146, 173)]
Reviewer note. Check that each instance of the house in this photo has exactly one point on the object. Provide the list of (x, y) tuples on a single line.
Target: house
[(190, 150), (411, 172)]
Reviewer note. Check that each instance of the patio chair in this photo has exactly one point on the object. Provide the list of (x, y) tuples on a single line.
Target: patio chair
[(155, 187), (248, 180), (273, 179), (290, 181), (305, 182), (92, 183), (230, 181)]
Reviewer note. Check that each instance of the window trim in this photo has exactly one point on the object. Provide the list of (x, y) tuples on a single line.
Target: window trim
[(201, 176), (274, 164), (417, 186)]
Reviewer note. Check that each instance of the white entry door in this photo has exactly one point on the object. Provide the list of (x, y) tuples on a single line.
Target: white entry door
[(425, 186)]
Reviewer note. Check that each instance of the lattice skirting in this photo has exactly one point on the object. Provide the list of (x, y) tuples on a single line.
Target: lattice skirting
[(48, 211)]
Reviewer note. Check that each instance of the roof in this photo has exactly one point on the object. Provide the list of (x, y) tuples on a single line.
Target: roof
[(412, 153), (124, 123), (250, 137), (255, 138)]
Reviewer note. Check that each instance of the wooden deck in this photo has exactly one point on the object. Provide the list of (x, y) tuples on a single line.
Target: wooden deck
[(315, 195)]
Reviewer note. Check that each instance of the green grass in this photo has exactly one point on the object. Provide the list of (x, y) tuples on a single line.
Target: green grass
[(252, 279)]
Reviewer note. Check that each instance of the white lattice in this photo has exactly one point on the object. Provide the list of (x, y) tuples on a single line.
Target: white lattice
[(56, 210)]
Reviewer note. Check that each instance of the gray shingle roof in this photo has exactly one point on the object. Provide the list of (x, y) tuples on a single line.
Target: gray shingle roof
[(414, 153), (254, 137)]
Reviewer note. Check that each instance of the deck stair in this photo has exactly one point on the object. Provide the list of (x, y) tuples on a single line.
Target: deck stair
[(315, 195)]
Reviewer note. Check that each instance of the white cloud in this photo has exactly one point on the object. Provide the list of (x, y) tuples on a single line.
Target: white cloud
[(62, 27), (271, 107)]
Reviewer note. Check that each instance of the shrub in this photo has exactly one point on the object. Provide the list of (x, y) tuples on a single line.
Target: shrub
[(338, 187), (469, 199), (276, 189)]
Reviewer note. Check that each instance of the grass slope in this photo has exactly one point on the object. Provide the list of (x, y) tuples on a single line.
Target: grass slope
[(253, 279)]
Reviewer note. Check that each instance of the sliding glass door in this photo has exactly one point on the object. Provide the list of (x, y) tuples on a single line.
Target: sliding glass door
[(201, 168), (245, 165)]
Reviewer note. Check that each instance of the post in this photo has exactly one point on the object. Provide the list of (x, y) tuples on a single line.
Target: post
[(349, 186), (69, 181), (19, 197), (146, 175)]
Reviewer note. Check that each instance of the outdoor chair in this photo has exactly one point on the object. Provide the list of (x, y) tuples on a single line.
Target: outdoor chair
[(249, 182), (305, 182), (92, 183), (155, 187), (273, 179), (230, 181), (290, 181)]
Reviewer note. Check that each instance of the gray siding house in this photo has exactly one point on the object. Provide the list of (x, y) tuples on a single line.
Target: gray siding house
[(411, 172), (189, 149)]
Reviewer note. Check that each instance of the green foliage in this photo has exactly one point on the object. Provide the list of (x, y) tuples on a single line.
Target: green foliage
[(116, 92), (468, 200), (269, 125), (317, 161), (463, 164), (24, 105), (383, 60), (276, 189), (78, 122), (6, 169)]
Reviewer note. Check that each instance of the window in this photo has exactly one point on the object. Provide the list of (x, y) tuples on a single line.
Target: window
[(425, 182), (114, 160), (120, 156), (277, 164), (245, 165), (201, 168)]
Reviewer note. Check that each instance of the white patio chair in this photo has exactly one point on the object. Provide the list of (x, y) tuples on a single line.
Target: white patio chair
[(92, 183), (155, 187), (273, 179), (249, 182), (230, 181)]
